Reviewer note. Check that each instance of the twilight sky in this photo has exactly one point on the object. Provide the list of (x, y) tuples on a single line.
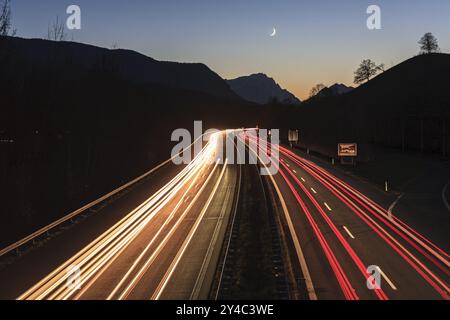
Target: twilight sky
[(317, 40)]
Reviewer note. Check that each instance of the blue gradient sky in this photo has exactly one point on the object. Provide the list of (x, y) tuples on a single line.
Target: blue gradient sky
[(317, 41)]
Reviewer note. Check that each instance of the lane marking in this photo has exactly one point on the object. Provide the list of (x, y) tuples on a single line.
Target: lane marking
[(312, 189), (328, 207), (288, 164), (303, 180), (444, 196), (294, 171), (349, 233), (391, 207), (391, 284)]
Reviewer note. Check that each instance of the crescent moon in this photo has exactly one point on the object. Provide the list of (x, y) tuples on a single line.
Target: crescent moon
[(274, 32)]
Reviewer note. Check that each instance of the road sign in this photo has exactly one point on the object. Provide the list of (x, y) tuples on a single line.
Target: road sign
[(293, 136), (347, 149)]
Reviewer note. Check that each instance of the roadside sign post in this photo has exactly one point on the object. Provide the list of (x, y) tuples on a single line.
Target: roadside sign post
[(292, 137), (348, 152)]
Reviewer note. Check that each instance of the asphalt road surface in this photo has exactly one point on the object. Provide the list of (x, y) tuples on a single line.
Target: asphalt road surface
[(166, 247), (164, 237), (347, 240)]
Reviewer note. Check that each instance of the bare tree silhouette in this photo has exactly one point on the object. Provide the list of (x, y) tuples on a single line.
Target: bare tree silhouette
[(366, 70), (56, 31), (5, 19), (316, 89), (429, 43)]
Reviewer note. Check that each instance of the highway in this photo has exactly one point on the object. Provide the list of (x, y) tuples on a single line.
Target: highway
[(344, 236), (166, 237), (166, 248)]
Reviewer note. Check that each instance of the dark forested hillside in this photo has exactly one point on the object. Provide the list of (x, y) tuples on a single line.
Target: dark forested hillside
[(407, 106), (131, 65)]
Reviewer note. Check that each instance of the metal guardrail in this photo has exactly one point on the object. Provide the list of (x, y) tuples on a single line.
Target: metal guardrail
[(73, 214)]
